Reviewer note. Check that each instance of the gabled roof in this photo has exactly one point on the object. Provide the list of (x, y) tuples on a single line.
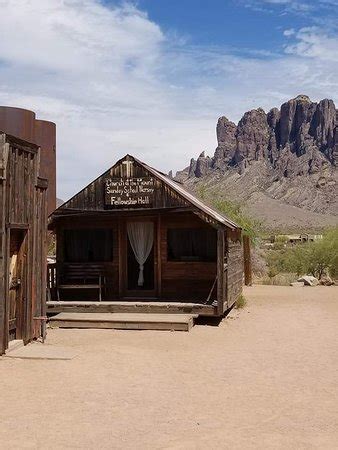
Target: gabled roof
[(173, 185), (188, 196)]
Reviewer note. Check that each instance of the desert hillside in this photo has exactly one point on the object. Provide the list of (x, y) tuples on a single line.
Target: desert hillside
[(282, 165)]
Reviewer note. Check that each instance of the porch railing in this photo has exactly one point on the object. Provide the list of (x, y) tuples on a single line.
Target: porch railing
[(51, 281)]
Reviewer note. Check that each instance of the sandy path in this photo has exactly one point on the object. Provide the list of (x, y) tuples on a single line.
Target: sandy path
[(266, 378)]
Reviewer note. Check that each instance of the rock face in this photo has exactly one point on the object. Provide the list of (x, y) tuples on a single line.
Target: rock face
[(226, 138), (299, 128), (296, 145)]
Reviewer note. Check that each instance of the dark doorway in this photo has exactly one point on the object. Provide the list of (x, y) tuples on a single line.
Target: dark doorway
[(16, 282)]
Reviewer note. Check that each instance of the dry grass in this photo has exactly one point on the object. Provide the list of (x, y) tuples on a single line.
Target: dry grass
[(281, 279), (241, 302)]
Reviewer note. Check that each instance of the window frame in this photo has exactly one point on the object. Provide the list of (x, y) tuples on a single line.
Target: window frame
[(212, 260), (79, 230)]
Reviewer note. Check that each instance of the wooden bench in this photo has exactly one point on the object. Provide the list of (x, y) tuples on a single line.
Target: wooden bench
[(82, 276)]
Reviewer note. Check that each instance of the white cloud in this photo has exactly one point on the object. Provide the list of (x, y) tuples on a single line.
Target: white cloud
[(289, 32), (115, 82), (314, 43), (295, 6)]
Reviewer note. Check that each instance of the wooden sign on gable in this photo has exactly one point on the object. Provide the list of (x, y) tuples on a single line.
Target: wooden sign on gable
[(129, 192)]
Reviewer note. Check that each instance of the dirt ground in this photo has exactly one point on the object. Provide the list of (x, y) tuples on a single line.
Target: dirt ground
[(265, 378)]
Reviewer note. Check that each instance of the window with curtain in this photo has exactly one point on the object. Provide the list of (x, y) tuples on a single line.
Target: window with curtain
[(192, 244), (94, 245)]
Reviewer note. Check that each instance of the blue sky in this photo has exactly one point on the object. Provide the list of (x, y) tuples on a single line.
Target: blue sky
[(151, 77), (229, 24), (241, 26)]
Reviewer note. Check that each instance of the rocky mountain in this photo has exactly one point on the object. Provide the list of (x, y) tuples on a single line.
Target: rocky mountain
[(286, 158)]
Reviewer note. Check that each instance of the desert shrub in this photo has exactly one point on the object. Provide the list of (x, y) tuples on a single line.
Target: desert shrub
[(280, 242), (281, 279), (51, 245), (241, 302), (258, 261), (234, 211), (322, 256)]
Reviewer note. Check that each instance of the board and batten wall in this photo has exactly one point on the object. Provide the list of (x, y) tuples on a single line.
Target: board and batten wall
[(234, 267), (23, 206), (188, 280)]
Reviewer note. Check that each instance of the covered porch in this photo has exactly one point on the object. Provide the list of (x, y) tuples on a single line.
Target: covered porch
[(126, 260)]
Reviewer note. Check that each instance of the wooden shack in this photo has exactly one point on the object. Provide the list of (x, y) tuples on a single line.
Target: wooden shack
[(23, 228), (134, 237)]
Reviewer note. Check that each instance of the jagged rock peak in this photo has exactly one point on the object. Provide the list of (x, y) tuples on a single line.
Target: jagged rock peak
[(298, 138), (302, 98)]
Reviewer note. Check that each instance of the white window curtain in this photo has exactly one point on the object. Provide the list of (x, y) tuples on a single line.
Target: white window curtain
[(141, 238)]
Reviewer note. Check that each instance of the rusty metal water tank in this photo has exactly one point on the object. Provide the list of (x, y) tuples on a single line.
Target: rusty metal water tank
[(45, 137), (23, 124), (18, 122)]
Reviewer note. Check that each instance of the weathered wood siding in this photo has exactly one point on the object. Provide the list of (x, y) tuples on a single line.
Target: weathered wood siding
[(170, 207), (92, 198), (184, 281), (23, 207), (3, 164), (234, 266), (176, 281), (110, 268)]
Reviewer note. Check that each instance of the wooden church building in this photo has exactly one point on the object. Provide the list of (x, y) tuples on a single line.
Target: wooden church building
[(136, 237)]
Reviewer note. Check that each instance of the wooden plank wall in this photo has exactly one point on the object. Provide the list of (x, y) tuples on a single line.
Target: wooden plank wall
[(40, 256), (23, 202), (3, 165), (177, 281), (184, 281), (110, 268), (235, 266), (91, 198)]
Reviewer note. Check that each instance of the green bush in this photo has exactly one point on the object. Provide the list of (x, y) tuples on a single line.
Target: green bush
[(232, 210), (280, 242), (314, 258), (241, 302)]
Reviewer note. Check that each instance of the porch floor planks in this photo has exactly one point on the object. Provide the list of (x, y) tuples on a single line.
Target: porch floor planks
[(125, 321), (149, 307)]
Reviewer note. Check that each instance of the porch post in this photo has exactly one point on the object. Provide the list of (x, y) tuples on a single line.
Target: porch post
[(220, 271), (247, 261)]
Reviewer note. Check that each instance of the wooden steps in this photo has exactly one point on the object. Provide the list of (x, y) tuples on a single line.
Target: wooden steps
[(124, 321), (117, 306)]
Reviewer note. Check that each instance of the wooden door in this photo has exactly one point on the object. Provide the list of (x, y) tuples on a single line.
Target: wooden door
[(132, 289), (16, 282)]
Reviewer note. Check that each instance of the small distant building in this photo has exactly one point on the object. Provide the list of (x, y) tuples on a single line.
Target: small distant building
[(135, 235), (296, 238)]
